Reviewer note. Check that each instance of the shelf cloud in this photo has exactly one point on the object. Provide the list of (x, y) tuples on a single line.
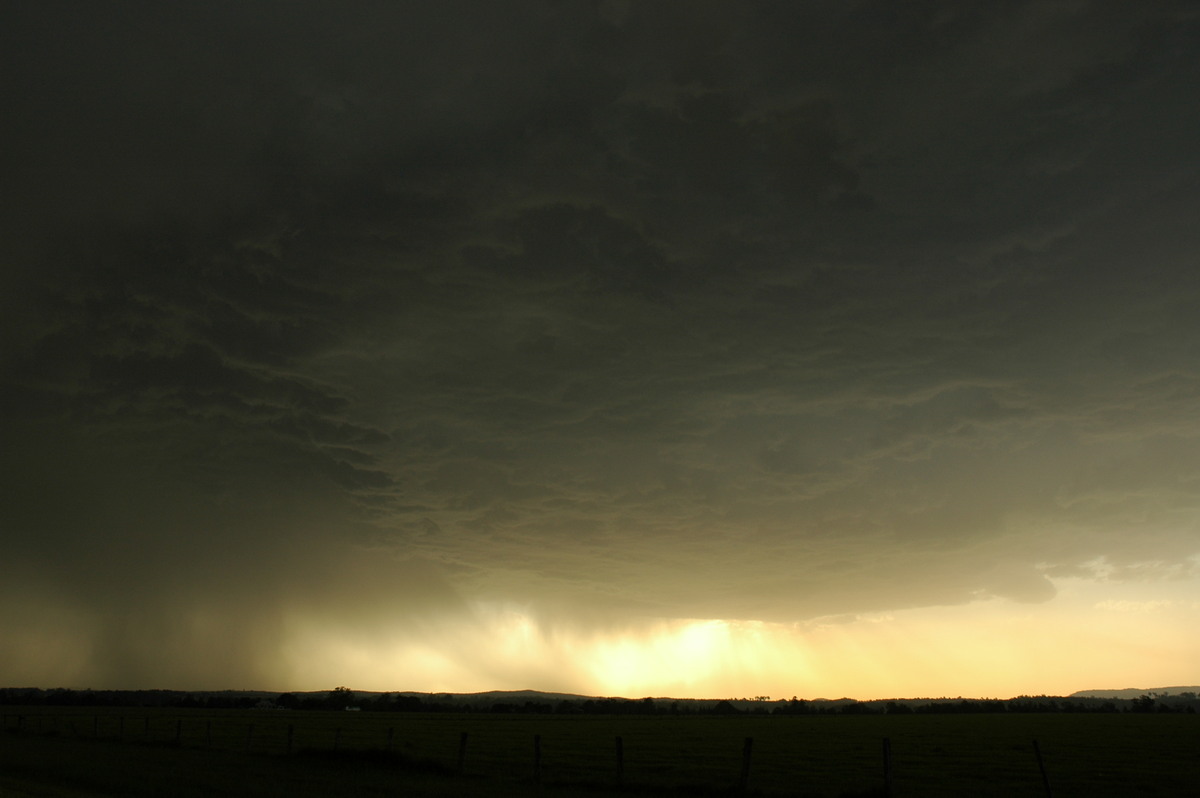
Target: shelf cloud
[(394, 333)]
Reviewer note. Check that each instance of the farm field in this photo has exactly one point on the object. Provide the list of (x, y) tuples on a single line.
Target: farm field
[(70, 752)]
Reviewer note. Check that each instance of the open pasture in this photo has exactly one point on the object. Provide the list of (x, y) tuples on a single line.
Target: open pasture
[(248, 752)]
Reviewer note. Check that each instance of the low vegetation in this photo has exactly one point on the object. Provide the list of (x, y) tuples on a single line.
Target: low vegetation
[(249, 752)]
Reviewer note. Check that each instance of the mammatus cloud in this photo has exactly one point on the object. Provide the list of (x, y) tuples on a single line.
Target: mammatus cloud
[(393, 335)]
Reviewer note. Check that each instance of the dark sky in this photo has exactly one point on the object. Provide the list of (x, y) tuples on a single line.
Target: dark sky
[(581, 345)]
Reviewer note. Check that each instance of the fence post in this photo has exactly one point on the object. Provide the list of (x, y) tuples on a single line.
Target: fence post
[(746, 748), (178, 731), (146, 727), (537, 759), (620, 761), (887, 767), (1042, 767), (208, 734), (291, 731), (391, 735), (121, 728), (337, 738), (462, 752), (249, 735)]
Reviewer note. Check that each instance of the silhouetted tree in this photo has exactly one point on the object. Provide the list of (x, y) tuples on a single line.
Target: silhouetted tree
[(725, 708), (340, 698)]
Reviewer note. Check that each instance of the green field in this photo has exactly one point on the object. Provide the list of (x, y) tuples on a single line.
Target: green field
[(73, 752)]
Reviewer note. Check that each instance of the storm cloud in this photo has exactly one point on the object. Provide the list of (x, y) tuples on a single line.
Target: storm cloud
[(378, 316)]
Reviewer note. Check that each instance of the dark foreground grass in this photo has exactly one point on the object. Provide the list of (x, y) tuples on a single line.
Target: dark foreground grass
[(53, 767), (246, 753)]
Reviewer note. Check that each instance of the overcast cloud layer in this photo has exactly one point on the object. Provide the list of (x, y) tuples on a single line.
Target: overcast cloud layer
[(374, 314)]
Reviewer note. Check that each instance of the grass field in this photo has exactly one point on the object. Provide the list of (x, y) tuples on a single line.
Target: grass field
[(252, 753)]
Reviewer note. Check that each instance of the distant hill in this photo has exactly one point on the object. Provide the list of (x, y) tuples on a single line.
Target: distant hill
[(1180, 698), (1136, 692), (509, 695)]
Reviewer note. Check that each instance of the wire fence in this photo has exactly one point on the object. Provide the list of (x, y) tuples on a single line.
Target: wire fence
[(979, 755)]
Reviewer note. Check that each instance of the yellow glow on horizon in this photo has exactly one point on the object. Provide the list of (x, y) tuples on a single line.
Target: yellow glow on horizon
[(1091, 635), (679, 653)]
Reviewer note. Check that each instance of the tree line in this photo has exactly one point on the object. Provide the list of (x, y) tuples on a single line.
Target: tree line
[(343, 698)]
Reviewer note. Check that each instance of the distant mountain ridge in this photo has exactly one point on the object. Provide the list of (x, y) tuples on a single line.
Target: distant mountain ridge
[(506, 695), (1136, 692), (157, 697)]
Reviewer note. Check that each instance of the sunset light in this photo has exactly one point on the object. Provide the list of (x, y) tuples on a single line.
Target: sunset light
[(684, 350)]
